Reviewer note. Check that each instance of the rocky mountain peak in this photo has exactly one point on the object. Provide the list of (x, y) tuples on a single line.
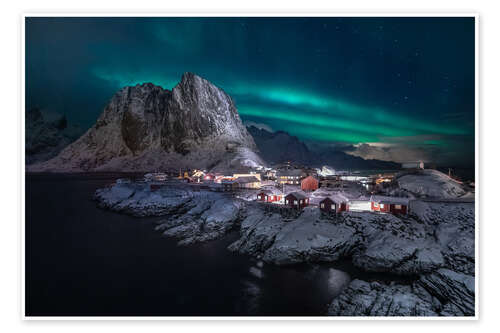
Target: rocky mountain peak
[(145, 127)]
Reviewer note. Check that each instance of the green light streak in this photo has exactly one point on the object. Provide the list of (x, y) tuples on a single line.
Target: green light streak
[(336, 107), (331, 122), (322, 134)]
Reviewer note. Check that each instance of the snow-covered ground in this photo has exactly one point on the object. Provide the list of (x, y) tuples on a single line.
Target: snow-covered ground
[(432, 184)]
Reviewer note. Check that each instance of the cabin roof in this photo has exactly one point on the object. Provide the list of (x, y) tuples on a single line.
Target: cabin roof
[(389, 200), (290, 172), (298, 195), (337, 198), (273, 191), (247, 179)]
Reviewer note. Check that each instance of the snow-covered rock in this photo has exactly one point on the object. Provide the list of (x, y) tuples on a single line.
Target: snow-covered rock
[(451, 287), (430, 184), (453, 229), (363, 298), (441, 293), (309, 239), (257, 232)]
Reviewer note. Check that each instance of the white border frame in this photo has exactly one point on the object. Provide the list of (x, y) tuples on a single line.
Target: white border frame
[(236, 14)]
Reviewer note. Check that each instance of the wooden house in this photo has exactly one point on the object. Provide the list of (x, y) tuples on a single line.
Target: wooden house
[(334, 203), (248, 182), (229, 185), (290, 176), (309, 184), (388, 204), (270, 195), (296, 200), (256, 175)]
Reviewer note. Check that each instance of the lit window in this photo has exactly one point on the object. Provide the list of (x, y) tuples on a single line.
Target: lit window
[(287, 202), (323, 205), (333, 206), (398, 207), (295, 201), (300, 201), (382, 205)]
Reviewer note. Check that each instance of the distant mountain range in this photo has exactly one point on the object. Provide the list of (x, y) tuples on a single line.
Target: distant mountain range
[(279, 147)]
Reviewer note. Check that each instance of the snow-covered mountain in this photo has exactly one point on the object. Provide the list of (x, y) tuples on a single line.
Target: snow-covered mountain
[(146, 127), (45, 138), (279, 147)]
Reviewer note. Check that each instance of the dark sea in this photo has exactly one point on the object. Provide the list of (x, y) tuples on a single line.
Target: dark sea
[(85, 261)]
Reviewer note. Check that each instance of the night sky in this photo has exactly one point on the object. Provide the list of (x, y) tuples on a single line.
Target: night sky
[(397, 89)]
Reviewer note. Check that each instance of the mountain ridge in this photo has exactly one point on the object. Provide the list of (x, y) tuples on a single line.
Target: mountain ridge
[(279, 147)]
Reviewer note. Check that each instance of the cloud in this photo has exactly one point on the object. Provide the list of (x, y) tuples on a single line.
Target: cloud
[(396, 153)]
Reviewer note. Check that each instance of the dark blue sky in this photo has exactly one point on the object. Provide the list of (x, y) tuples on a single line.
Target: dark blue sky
[(390, 88)]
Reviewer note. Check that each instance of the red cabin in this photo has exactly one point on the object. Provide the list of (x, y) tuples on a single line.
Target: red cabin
[(309, 184), (297, 200), (269, 195), (385, 204), (334, 204)]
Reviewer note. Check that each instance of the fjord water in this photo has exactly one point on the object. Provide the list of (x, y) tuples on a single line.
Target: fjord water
[(82, 260)]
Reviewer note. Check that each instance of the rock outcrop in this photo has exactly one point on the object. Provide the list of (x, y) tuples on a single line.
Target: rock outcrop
[(441, 293), (146, 127), (430, 184)]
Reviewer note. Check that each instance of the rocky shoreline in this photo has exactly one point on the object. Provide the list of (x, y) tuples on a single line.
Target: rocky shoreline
[(435, 244)]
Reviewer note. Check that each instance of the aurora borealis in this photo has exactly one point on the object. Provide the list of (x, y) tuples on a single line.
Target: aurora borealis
[(390, 88)]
